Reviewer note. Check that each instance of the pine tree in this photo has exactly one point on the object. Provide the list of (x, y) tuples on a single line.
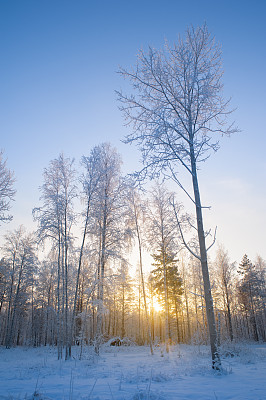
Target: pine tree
[(248, 292), (168, 286)]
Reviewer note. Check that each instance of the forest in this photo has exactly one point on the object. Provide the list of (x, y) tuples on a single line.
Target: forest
[(85, 289)]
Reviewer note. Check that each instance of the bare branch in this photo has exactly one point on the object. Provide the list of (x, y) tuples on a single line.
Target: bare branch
[(214, 240), (181, 232)]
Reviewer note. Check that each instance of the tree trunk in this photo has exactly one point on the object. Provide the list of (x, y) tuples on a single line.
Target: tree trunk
[(177, 323), (67, 330), (253, 316), (229, 316), (216, 363), (47, 314), (188, 338), (142, 281), (166, 306), (123, 331), (10, 333), (9, 304), (101, 283), (78, 272), (59, 330)]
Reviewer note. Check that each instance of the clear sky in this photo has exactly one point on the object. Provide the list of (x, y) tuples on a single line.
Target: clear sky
[(57, 80)]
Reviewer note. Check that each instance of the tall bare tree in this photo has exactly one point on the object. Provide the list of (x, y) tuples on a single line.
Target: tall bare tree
[(175, 111), (56, 217), (108, 223), (90, 180), (137, 213)]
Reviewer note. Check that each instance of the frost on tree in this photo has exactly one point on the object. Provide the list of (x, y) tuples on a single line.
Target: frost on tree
[(7, 191), (55, 220), (177, 111), (107, 224), (21, 261)]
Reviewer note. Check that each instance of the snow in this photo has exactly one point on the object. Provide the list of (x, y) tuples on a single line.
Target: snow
[(132, 373)]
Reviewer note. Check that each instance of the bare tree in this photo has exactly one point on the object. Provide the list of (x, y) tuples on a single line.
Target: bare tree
[(20, 251), (90, 180), (107, 224), (4, 278), (225, 271), (55, 218), (175, 110), (7, 191), (137, 213)]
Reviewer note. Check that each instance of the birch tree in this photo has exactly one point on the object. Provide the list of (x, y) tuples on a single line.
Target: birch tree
[(55, 218), (177, 111), (137, 214), (90, 181), (4, 275), (108, 222), (7, 191), (20, 253)]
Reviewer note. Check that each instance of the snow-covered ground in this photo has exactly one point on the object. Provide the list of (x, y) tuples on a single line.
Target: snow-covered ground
[(131, 373)]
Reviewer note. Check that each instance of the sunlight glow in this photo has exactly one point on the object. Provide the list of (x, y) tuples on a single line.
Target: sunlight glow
[(157, 306)]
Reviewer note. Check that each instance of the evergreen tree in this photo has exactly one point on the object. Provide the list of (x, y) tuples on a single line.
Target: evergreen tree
[(248, 292), (166, 278)]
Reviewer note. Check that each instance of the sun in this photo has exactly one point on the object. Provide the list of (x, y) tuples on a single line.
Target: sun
[(157, 306)]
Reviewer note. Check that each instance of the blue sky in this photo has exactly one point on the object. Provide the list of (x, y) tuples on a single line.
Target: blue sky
[(58, 76)]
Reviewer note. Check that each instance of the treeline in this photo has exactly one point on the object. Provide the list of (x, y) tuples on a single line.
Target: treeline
[(93, 282)]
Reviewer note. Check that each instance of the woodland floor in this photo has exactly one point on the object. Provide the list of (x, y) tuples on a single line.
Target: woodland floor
[(132, 373)]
